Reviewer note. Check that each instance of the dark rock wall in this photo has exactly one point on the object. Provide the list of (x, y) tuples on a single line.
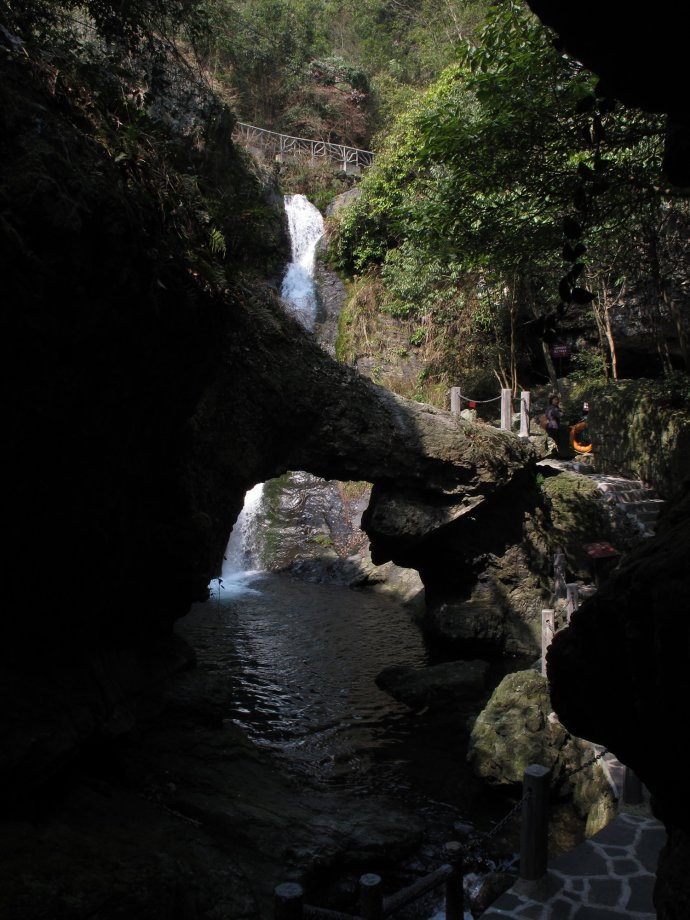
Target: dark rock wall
[(147, 398), (618, 674), (639, 56)]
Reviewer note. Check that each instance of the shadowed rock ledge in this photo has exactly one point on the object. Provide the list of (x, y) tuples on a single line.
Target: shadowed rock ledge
[(618, 676)]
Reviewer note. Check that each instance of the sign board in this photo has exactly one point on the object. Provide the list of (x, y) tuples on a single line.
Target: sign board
[(560, 351), (600, 550)]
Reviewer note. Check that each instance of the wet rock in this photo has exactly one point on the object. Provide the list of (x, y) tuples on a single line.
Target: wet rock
[(440, 684), (331, 295), (482, 890), (310, 528)]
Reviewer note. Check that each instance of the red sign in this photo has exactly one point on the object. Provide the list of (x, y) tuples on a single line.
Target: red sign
[(560, 351), (600, 550)]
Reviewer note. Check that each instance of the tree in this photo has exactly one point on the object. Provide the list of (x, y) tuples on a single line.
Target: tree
[(514, 170)]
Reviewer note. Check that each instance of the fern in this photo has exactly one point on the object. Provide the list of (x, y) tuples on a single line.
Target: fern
[(217, 242)]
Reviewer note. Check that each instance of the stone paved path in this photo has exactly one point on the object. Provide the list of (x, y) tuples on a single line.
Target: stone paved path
[(609, 876)]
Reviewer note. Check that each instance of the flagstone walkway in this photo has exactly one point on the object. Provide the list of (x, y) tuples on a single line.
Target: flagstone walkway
[(609, 876)]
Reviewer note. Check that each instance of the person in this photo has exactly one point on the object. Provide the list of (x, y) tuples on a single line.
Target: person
[(554, 416)]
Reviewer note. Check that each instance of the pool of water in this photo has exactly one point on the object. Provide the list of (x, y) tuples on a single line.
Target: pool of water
[(301, 661)]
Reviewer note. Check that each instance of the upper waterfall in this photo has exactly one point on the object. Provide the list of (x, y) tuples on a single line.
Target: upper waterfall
[(306, 229)]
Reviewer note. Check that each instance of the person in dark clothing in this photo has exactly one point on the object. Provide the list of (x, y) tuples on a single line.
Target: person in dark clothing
[(554, 416)]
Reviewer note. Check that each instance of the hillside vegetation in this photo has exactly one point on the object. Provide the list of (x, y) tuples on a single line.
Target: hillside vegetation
[(513, 207), (332, 69)]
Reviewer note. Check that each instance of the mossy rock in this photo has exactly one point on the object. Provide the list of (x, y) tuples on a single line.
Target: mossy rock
[(578, 515), (517, 728), (513, 730)]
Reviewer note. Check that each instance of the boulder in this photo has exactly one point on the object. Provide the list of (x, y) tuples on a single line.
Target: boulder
[(517, 728), (440, 684)]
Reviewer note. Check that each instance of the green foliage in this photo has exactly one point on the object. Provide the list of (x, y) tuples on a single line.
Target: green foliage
[(260, 53), (478, 181), (335, 69), (587, 367), (330, 68)]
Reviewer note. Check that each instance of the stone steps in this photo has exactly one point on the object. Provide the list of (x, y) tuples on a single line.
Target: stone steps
[(639, 502)]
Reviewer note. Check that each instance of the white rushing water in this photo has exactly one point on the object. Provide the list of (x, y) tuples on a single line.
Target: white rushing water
[(239, 565), (306, 229), (299, 294)]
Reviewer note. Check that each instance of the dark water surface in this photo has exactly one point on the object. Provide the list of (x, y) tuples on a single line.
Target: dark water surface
[(301, 661)]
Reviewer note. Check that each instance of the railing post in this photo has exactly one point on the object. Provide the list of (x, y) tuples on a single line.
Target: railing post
[(455, 400), (559, 584), (371, 896), (525, 407), (547, 630), (535, 822), (288, 901), (506, 409), (632, 788), (455, 894), (572, 599)]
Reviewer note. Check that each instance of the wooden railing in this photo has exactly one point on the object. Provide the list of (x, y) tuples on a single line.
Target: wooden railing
[(533, 806), (272, 143), (289, 896)]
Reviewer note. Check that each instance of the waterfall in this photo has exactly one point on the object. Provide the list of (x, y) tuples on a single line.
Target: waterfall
[(299, 294), (239, 563), (306, 229)]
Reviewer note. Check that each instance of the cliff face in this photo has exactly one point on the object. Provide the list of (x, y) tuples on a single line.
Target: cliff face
[(155, 381), (642, 430)]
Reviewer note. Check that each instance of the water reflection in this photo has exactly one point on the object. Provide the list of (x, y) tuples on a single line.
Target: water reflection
[(302, 661)]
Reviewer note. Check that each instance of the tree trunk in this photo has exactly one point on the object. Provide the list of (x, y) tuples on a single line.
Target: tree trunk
[(601, 331), (513, 344), (680, 328), (610, 339), (550, 366)]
